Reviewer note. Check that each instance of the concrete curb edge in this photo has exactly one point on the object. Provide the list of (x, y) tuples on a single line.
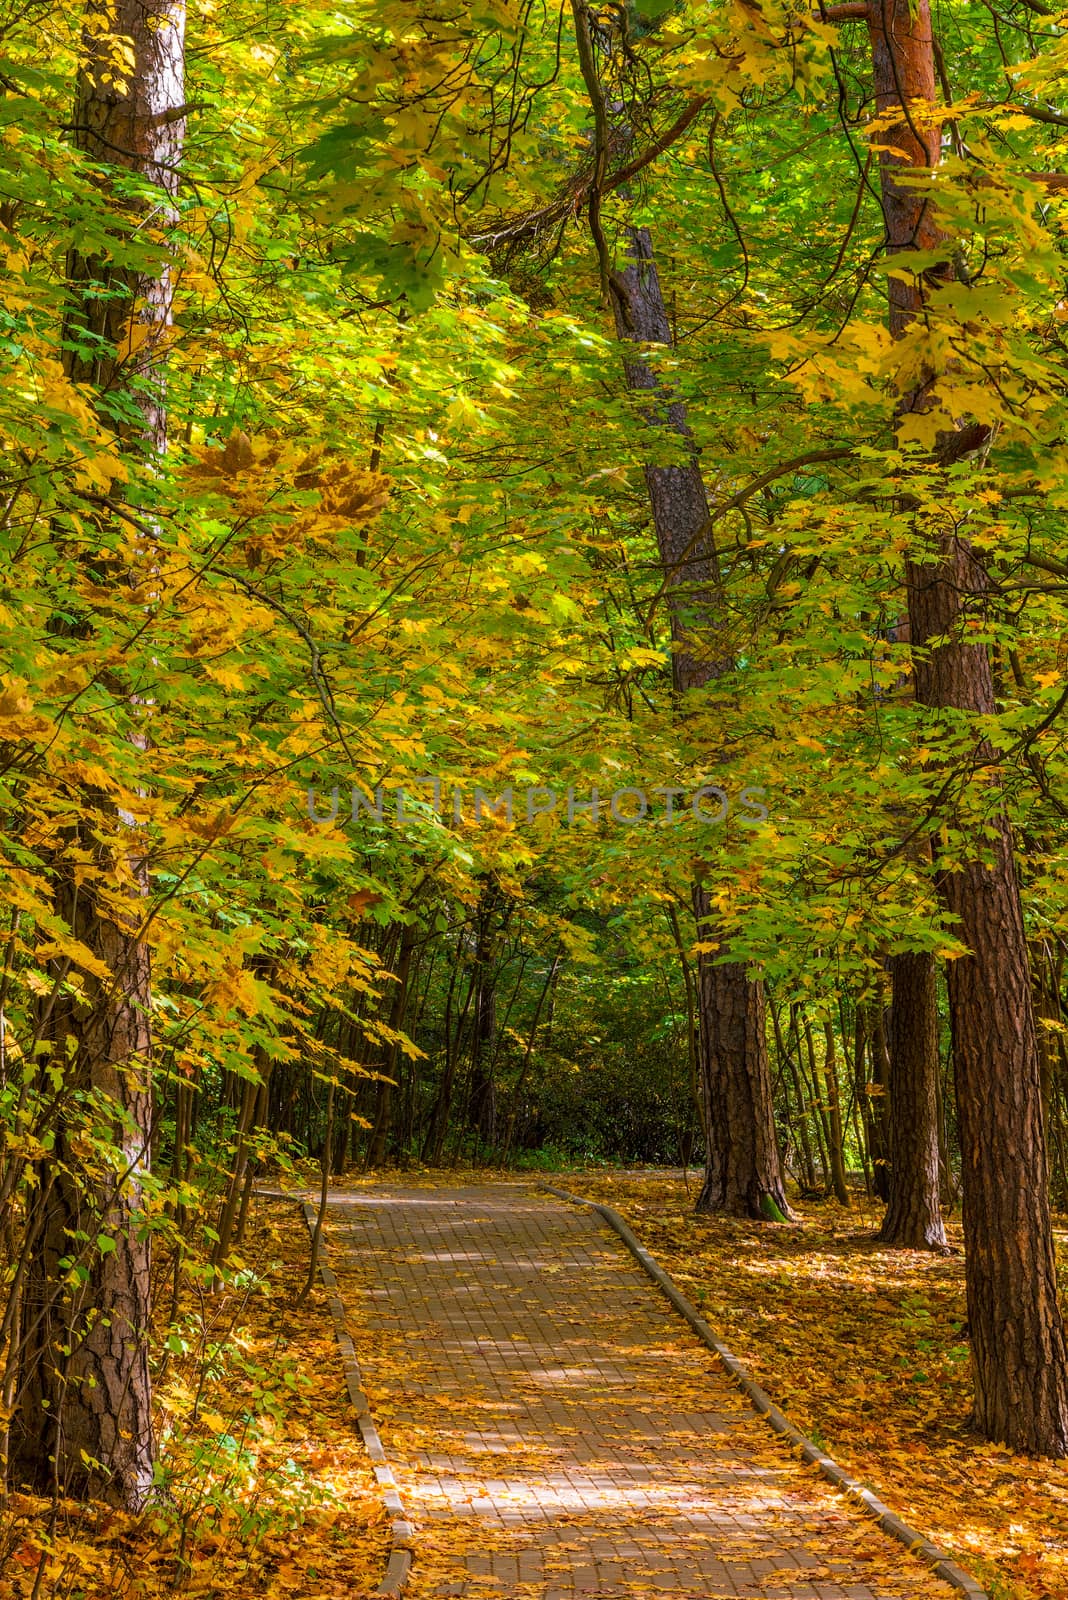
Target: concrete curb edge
[(940, 1563), (402, 1536)]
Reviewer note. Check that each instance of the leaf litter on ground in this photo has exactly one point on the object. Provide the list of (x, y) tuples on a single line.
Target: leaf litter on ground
[(865, 1349), (269, 1492), (435, 1443)]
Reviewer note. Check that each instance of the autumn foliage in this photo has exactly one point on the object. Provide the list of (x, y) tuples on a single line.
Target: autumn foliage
[(532, 629)]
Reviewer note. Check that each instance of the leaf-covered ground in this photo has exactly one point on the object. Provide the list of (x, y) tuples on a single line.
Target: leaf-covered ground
[(555, 1427), (270, 1494), (866, 1351)]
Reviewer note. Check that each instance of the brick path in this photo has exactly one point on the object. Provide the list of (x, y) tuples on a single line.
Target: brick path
[(556, 1429)]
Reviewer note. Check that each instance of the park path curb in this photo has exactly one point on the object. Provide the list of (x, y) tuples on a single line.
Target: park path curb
[(941, 1564), (402, 1534)]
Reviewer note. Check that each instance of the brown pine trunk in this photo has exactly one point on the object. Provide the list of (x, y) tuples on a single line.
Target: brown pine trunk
[(789, 1067), (137, 125), (1017, 1333), (743, 1170), (823, 1123), (85, 1391), (84, 1425), (862, 1114), (743, 1174), (913, 1217), (438, 1122)]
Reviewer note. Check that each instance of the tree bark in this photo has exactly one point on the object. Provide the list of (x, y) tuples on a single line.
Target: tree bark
[(789, 1068), (84, 1424), (379, 1141), (118, 322), (743, 1170), (482, 1095), (1017, 1332), (834, 1117), (880, 1125), (743, 1173), (913, 1217)]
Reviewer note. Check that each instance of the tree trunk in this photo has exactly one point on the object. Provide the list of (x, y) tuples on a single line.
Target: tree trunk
[(482, 1096), (697, 1099), (743, 1170), (742, 1167), (834, 1117), (862, 1120), (913, 1218), (379, 1143), (438, 1122), (84, 1424), (137, 125), (520, 1082), (823, 1124), (789, 1068), (880, 1102), (1017, 1333)]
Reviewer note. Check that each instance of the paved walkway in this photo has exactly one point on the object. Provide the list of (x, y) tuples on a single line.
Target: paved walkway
[(557, 1431)]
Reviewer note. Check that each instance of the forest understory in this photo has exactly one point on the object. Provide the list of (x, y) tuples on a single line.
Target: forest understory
[(267, 1488)]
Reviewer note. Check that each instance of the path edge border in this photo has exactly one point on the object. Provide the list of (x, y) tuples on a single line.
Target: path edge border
[(942, 1565), (402, 1534)]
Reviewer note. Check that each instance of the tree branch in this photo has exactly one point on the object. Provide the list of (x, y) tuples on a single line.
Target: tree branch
[(810, 458)]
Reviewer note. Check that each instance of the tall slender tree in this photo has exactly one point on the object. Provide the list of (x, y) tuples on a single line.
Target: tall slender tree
[(84, 1423), (1017, 1331), (743, 1170)]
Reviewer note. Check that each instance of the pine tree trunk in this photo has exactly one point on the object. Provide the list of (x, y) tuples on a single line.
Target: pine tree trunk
[(1017, 1332), (913, 1218), (864, 1120), (743, 1175), (482, 1096), (799, 1119), (137, 125), (383, 1123), (743, 1169), (438, 1122), (84, 1425), (880, 1103)]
